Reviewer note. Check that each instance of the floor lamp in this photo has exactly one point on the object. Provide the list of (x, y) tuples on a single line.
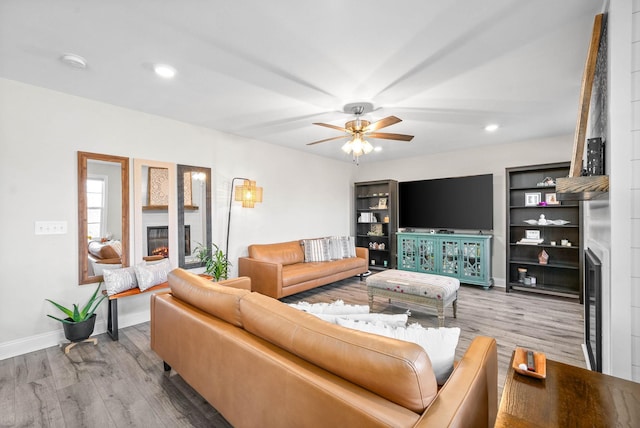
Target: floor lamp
[(248, 193)]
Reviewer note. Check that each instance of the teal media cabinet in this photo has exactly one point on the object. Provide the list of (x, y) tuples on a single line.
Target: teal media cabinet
[(466, 257)]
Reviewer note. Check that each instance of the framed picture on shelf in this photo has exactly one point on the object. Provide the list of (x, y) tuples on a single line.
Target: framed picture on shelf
[(531, 199), (382, 203), (551, 199), (532, 234)]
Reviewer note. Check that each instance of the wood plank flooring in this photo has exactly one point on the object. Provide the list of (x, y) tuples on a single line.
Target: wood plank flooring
[(122, 384)]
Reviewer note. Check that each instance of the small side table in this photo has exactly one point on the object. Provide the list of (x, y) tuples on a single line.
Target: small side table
[(569, 397)]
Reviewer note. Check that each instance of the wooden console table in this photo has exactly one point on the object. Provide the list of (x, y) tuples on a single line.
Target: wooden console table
[(568, 397)]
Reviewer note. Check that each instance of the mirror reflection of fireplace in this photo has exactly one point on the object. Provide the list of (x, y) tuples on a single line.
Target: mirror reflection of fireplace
[(593, 309), (158, 240)]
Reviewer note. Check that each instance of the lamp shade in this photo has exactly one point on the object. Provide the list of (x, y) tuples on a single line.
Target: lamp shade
[(248, 193)]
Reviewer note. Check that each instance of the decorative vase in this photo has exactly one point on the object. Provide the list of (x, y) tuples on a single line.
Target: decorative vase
[(522, 273), (79, 331), (543, 257)]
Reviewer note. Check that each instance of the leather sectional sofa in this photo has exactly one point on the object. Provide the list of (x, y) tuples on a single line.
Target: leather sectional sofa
[(279, 270), (260, 362)]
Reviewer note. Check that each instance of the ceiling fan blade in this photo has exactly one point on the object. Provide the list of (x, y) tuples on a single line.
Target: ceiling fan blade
[(328, 139), (327, 125), (382, 123), (388, 136)]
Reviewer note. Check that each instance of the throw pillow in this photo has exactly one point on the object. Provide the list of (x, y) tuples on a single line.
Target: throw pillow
[(316, 250), (119, 280), (348, 246), (335, 247), (439, 343), (150, 275)]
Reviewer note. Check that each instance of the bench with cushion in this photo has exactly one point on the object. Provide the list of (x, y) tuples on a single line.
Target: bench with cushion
[(131, 281), (426, 289)]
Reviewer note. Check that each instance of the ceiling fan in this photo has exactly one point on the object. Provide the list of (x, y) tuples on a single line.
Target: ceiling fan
[(359, 129)]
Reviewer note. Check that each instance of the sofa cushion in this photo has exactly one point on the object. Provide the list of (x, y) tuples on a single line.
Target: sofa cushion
[(398, 371), (302, 272), (284, 253), (213, 298)]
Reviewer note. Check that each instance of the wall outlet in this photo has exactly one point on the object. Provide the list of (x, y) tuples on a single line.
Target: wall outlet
[(51, 227)]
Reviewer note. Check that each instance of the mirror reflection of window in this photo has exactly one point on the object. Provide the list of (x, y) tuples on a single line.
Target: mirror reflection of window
[(96, 200), (103, 214)]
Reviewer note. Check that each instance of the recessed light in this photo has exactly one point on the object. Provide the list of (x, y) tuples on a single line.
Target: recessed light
[(73, 60), (491, 127), (377, 149), (165, 71)]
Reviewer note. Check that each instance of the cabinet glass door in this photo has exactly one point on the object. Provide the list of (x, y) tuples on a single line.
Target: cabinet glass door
[(450, 257), (472, 260), (427, 256), (408, 256)]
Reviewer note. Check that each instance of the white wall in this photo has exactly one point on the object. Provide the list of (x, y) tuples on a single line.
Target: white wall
[(487, 160), (40, 134), (613, 230), (633, 36)]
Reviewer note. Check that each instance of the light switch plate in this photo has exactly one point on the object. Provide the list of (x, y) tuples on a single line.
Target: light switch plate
[(50, 227)]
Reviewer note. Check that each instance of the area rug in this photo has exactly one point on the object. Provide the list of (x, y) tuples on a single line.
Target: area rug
[(439, 343)]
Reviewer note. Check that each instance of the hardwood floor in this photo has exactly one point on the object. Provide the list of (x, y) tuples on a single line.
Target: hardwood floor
[(122, 384)]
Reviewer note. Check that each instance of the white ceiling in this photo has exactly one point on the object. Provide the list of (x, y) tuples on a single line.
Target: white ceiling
[(269, 69)]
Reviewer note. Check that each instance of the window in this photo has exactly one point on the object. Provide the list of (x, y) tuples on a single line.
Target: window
[(96, 206)]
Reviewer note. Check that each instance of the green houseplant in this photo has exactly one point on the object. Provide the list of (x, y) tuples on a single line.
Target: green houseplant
[(79, 323), (215, 261)]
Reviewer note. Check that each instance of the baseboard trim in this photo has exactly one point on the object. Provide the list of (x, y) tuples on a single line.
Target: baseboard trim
[(37, 342)]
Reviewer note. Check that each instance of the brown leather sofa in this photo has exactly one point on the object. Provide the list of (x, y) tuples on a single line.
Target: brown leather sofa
[(279, 270), (260, 362)]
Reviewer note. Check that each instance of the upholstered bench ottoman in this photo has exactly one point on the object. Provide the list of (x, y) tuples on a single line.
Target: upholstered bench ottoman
[(436, 291)]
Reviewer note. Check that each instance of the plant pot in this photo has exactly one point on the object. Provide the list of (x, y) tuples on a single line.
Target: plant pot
[(79, 331)]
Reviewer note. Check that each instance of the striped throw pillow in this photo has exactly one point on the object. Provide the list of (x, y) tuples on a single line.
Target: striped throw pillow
[(316, 250)]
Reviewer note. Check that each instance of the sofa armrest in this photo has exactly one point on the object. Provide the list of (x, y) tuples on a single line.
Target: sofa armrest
[(469, 398), (363, 253), (266, 277), (243, 283)]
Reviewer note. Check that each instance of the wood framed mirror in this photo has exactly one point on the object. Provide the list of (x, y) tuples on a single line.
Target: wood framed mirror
[(103, 214), (194, 213), (155, 211)]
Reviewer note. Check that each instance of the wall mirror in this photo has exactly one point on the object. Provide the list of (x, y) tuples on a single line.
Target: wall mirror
[(103, 214), (194, 213), (155, 211)]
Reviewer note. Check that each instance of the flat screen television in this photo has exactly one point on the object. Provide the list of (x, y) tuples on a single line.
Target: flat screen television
[(460, 203)]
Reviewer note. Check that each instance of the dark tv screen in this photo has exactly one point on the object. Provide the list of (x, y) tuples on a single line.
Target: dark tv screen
[(447, 203)]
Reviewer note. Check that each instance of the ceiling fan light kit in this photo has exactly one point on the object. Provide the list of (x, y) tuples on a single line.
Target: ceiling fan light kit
[(358, 129)]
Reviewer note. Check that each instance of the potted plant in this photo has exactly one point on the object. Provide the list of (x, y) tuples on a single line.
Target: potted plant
[(79, 323), (215, 261)]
